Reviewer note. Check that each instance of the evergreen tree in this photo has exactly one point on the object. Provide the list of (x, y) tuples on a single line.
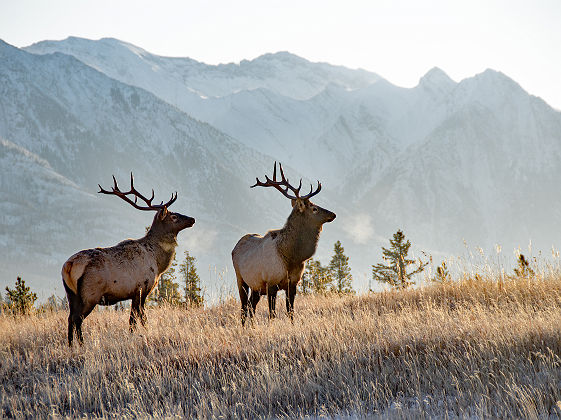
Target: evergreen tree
[(442, 275), (318, 277), (306, 283), (395, 273), (21, 299), (188, 270), (168, 289), (524, 269), (340, 270)]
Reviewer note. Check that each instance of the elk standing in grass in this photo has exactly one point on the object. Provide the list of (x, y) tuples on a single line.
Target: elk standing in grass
[(267, 264), (128, 270)]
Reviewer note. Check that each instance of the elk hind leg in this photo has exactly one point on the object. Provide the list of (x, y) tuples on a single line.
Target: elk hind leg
[(79, 317), (135, 312), (142, 311), (74, 305), (243, 289)]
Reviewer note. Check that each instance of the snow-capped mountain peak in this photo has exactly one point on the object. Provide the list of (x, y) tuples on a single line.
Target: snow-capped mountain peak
[(477, 159), (437, 80)]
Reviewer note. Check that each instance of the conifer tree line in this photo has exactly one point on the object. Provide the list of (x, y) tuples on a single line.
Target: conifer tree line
[(180, 285), (334, 278), (168, 290)]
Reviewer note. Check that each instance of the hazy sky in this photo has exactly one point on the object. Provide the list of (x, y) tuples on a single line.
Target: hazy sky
[(400, 40)]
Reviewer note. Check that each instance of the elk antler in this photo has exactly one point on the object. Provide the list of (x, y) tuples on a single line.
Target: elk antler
[(284, 183), (115, 191)]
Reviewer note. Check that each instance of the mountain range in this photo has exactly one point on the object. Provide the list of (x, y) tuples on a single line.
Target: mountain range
[(448, 162)]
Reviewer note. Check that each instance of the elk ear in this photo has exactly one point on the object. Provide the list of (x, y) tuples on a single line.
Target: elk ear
[(299, 204), (163, 213)]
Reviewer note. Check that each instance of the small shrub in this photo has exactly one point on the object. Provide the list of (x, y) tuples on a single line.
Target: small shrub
[(20, 299)]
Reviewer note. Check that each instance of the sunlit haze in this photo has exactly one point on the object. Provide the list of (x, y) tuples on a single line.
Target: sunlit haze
[(400, 40)]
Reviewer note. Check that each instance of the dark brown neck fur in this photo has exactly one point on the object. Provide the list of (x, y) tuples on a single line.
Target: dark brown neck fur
[(163, 246), (298, 239)]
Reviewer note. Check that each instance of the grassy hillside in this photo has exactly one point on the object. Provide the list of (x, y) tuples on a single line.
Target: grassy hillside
[(473, 348)]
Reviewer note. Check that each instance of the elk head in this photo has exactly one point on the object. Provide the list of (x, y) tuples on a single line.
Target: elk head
[(164, 221), (301, 205)]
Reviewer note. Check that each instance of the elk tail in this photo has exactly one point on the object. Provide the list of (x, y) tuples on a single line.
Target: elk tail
[(70, 275)]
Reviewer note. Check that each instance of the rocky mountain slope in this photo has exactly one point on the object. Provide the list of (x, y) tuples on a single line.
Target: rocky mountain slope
[(446, 161), (61, 118)]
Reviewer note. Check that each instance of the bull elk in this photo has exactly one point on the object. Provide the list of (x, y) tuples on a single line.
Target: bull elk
[(129, 270), (267, 264)]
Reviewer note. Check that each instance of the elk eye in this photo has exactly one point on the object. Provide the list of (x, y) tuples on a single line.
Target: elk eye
[(315, 209), (174, 218)]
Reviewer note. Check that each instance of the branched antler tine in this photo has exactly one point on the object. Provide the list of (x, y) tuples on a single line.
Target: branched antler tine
[(101, 190), (282, 173), (282, 185), (137, 195), (311, 194), (172, 200)]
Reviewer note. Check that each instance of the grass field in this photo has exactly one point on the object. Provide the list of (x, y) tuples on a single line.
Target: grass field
[(474, 348)]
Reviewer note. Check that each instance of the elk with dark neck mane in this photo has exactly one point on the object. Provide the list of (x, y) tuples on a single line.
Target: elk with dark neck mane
[(267, 264), (129, 270)]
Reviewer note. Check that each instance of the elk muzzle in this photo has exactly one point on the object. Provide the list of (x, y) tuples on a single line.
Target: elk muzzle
[(187, 222)]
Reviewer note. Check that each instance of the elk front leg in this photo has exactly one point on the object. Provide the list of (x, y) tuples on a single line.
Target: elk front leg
[(290, 295), (294, 277), (272, 299)]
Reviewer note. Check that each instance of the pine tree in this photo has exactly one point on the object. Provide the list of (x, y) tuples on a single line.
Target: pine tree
[(524, 269), (21, 299), (340, 270), (168, 289), (306, 283), (193, 292), (442, 275), (395, 273), (318, 276)]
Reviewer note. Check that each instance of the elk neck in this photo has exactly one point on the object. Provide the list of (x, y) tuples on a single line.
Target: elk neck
[(163, 246), (298, 239)]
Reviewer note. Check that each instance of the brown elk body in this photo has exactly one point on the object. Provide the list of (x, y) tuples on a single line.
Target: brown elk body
[(267, 264), (128, 270)]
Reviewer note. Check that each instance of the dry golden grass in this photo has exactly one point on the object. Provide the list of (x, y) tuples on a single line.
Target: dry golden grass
[(473, 348)]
